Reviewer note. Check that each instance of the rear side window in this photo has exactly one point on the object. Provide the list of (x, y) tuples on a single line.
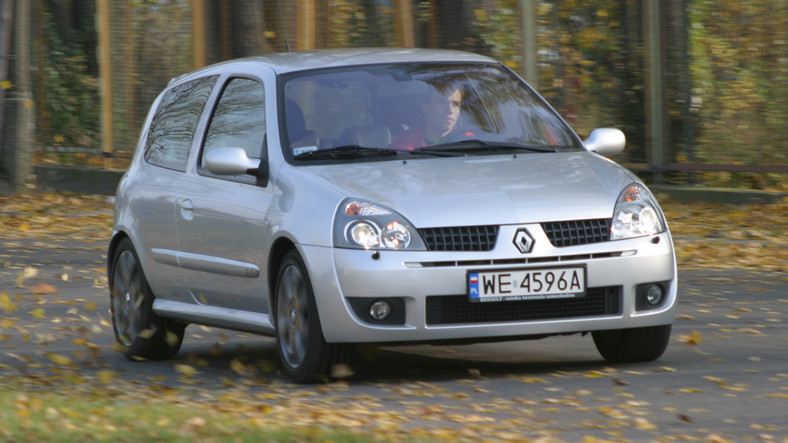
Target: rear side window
[(172, 130)]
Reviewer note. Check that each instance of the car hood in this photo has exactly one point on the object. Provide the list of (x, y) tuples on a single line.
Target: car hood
[(465, 191)]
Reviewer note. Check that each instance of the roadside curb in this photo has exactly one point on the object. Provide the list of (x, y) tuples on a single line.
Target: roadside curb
[(77, 179), (690, 194)]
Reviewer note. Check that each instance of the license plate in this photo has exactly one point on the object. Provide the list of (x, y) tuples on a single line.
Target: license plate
[(526, 284)]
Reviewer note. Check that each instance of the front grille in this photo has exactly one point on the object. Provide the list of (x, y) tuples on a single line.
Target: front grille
[(577, 232), (456, 309), (463, 238)]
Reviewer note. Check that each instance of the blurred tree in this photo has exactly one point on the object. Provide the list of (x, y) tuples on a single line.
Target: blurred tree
[(66, 89), (248, 28), (74, 22), (359, 23), (457, 26), (726, 62), (739, 68), (453, 24), (237, 28), (678, 83)]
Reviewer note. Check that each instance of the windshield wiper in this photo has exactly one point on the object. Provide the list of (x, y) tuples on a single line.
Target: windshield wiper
[(348, 151), (481, 146)]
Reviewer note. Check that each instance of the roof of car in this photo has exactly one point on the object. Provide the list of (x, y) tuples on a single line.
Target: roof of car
[(286, 62)]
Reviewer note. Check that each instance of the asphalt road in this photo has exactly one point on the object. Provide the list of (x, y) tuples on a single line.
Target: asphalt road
[(723, 377)]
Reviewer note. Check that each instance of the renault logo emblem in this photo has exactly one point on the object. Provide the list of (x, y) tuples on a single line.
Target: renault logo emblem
[(523, 241)]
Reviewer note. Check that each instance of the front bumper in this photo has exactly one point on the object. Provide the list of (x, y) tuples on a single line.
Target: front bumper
[(414, 277)]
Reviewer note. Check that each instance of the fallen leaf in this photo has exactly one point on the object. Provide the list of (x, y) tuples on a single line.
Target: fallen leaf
[(27, 273), (195, 423), (185, 370), (238, 367), (60, 360), (341, 371), (686, 418), (172, 338), (43, 288), (692, 339), (690, 390), (531, 380), (38, 313), (6, 303), (106, 376)]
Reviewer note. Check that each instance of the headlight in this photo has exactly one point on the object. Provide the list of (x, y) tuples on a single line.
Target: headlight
[(364, 234), (361, 224), (637, 214)]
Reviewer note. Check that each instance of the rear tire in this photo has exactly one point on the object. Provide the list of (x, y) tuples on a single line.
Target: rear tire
[(303, 351), (632, 345), (141, 333)]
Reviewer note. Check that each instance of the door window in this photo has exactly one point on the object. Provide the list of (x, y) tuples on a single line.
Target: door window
[(239, 119)]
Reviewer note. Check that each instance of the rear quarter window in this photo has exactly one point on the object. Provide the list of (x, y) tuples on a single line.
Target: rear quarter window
[(172, 129)]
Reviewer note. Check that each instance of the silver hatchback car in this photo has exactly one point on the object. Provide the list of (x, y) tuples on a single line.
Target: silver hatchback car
[(337, 197)]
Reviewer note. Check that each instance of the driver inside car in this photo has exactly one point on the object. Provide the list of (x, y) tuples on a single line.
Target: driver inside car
[(441, 109)]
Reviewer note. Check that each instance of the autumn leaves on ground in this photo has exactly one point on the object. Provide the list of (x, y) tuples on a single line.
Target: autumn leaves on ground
[(38, 406)]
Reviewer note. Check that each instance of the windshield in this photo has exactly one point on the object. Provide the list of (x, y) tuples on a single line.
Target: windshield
[(426, 109)]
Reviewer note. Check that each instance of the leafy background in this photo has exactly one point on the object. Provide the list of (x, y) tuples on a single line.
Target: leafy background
[(726, 61)]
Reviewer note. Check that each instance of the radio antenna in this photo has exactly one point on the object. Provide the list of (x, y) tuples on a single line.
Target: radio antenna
[(284, 26)]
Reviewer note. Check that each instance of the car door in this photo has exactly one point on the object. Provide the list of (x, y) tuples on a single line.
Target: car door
[(221, 220), (151, 197)]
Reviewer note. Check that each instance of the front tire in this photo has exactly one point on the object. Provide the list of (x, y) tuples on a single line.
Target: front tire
[(632, 345), (142, 334), (303, 351)]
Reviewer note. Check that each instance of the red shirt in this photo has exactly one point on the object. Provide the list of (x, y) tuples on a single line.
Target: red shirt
[(409, 140), (414, 138)]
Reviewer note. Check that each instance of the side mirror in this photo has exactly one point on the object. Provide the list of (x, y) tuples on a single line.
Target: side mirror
[(606, 141), (234, 161)]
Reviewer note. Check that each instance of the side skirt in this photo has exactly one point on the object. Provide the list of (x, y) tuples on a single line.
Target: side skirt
[(214, 316)]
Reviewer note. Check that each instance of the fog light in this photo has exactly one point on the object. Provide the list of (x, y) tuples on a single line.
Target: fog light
[(654, 295), (380, 310), (651, 295)]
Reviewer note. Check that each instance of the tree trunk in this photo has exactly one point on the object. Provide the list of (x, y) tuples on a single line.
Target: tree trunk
[(85, 25), (678, 86), (21, 166), (452, 24), (629, 69), (5, 41), (61, 13), (248, 28), (455, 26), (217, 32)]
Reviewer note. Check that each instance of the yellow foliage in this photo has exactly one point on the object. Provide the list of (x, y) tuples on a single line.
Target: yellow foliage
[(185, 370), (60, 360), (38, 313)]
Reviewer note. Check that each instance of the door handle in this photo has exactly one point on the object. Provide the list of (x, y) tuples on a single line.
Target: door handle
[(187, 209)]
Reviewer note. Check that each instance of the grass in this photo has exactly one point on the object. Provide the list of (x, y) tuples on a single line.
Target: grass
[(56, 416)]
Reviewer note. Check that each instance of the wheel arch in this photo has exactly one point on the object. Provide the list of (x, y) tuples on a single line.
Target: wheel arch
[(113, 246), (279, 250)]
